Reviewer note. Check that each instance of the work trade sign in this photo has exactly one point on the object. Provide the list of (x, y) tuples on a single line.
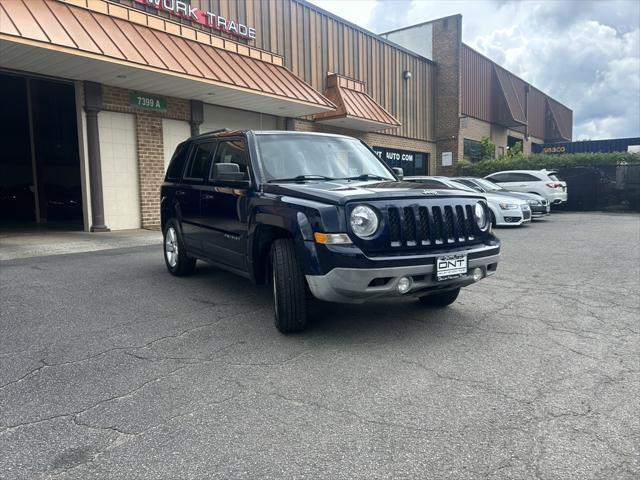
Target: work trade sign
[(183, 9)]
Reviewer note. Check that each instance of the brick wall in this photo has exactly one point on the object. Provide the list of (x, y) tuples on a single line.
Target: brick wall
[(150, 167), (475, 129), (149, 140), (447, 44), (370, 138)]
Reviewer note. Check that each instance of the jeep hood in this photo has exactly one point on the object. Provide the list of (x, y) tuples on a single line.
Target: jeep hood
[(341, 192)]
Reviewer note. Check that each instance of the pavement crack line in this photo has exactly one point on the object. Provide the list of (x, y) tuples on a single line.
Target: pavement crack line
[(122, 348), (11, 428)]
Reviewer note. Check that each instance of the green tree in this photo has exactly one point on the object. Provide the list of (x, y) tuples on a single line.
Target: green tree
[(487, 148), (515, 150)]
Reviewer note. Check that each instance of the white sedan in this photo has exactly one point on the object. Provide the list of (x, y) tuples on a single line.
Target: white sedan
[(505, 210)]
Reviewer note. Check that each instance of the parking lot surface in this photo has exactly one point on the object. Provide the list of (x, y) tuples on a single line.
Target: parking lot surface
[(112, 368)]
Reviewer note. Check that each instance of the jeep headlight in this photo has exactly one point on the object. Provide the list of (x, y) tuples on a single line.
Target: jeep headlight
[(364, 221), (480, 215), (509, 206)]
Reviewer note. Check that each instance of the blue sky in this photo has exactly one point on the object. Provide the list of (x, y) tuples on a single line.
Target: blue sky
[(584, 53)]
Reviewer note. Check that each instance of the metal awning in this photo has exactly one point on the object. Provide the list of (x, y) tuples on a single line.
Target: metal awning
[(510, 105), (127, 48), (355, 109)]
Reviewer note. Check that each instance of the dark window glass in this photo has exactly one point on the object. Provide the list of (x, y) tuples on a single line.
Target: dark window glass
[(524, 177), (232, 151), (176, 166), (472, 150), (501, 177), (199, 161)]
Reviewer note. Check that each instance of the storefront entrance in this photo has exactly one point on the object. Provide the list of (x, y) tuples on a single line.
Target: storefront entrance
[(40, 164), (412, 163)]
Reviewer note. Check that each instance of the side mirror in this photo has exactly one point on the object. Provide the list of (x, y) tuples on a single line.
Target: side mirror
[(399, 172), (229, 174)]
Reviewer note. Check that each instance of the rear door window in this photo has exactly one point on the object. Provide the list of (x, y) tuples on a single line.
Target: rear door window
[(199, 162), (525, 177), (176, 165), (501, 177)]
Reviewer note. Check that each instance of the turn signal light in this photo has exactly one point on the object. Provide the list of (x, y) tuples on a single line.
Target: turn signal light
[(332, 238)]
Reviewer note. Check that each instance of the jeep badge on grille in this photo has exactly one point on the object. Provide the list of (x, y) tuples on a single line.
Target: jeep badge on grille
[(429, 192)]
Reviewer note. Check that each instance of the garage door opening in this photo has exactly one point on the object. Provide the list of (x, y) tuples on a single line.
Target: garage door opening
[(40, 182)]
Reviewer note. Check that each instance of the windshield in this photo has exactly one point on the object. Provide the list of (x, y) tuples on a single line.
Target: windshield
[(461, 186), (317, 157), (487, 185)]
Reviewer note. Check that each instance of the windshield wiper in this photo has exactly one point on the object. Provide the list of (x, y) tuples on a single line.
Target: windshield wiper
[(301, 178), (366, 176)]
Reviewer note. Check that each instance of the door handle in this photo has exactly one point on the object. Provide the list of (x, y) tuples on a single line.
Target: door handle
[(181, 193), (207, 196)]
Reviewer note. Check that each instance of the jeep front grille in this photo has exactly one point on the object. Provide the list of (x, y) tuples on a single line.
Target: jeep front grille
[(416, 225)]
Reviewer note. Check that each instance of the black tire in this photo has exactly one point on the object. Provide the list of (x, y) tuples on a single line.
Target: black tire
[(289, 293), (181, 264), (441, 299), (493, 219)]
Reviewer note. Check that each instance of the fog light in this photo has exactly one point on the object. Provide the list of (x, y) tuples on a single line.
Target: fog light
[(404, 284), (477, 274)]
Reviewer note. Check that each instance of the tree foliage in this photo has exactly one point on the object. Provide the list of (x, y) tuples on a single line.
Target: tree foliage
[(487, 149), (541, 161)]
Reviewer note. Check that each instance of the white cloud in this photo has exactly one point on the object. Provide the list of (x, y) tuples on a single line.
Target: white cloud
[(585, 54)]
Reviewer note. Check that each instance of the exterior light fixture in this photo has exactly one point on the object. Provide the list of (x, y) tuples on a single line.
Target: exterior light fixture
[(406, 75)]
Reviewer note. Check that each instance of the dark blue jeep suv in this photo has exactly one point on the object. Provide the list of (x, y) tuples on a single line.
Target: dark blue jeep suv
[(320, 214)]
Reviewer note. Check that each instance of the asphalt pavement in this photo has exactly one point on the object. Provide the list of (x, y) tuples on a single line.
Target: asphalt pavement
[(112, 368)]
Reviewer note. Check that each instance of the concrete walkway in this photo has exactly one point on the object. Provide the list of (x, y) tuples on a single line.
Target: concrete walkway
[(36, 243)]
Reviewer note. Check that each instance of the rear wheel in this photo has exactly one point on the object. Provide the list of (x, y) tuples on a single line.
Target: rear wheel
[(289, 293), (441, 299), (175, 254)]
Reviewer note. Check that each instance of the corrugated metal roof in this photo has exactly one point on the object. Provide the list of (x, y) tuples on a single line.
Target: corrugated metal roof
[(62, 26), (355, 109), (513, 102), (561, 121), (495, 95)]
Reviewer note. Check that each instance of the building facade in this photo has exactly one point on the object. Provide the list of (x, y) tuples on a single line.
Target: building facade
[(476, 98), (100, 92)]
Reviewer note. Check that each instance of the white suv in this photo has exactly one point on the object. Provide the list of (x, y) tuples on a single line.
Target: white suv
[(541, 182)]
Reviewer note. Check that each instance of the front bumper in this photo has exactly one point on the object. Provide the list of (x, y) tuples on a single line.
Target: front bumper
[(538, 211), (358, 285)]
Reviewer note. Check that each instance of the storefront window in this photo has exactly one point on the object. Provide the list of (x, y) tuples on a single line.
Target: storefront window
[(472, 150)]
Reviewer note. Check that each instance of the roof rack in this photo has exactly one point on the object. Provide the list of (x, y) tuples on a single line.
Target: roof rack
[(213, 132)]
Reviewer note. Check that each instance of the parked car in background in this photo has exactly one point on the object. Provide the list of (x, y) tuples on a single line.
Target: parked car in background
[(539, 205), (506, 210), (542, 182)]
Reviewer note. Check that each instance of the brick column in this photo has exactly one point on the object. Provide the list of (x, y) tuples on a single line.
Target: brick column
[(447, 43), (150, 167)]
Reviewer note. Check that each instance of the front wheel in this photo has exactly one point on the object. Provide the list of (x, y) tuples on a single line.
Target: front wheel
[(175, 254), (441, 299), (289, 293)]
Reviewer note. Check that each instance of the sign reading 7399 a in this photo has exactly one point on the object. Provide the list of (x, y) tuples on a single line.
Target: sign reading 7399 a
[(149, 102)]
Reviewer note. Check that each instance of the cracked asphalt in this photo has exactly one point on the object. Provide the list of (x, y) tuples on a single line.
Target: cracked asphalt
[(111, 368)]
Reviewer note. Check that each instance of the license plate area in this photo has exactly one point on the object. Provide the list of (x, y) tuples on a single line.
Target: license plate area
[(451, 266)]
